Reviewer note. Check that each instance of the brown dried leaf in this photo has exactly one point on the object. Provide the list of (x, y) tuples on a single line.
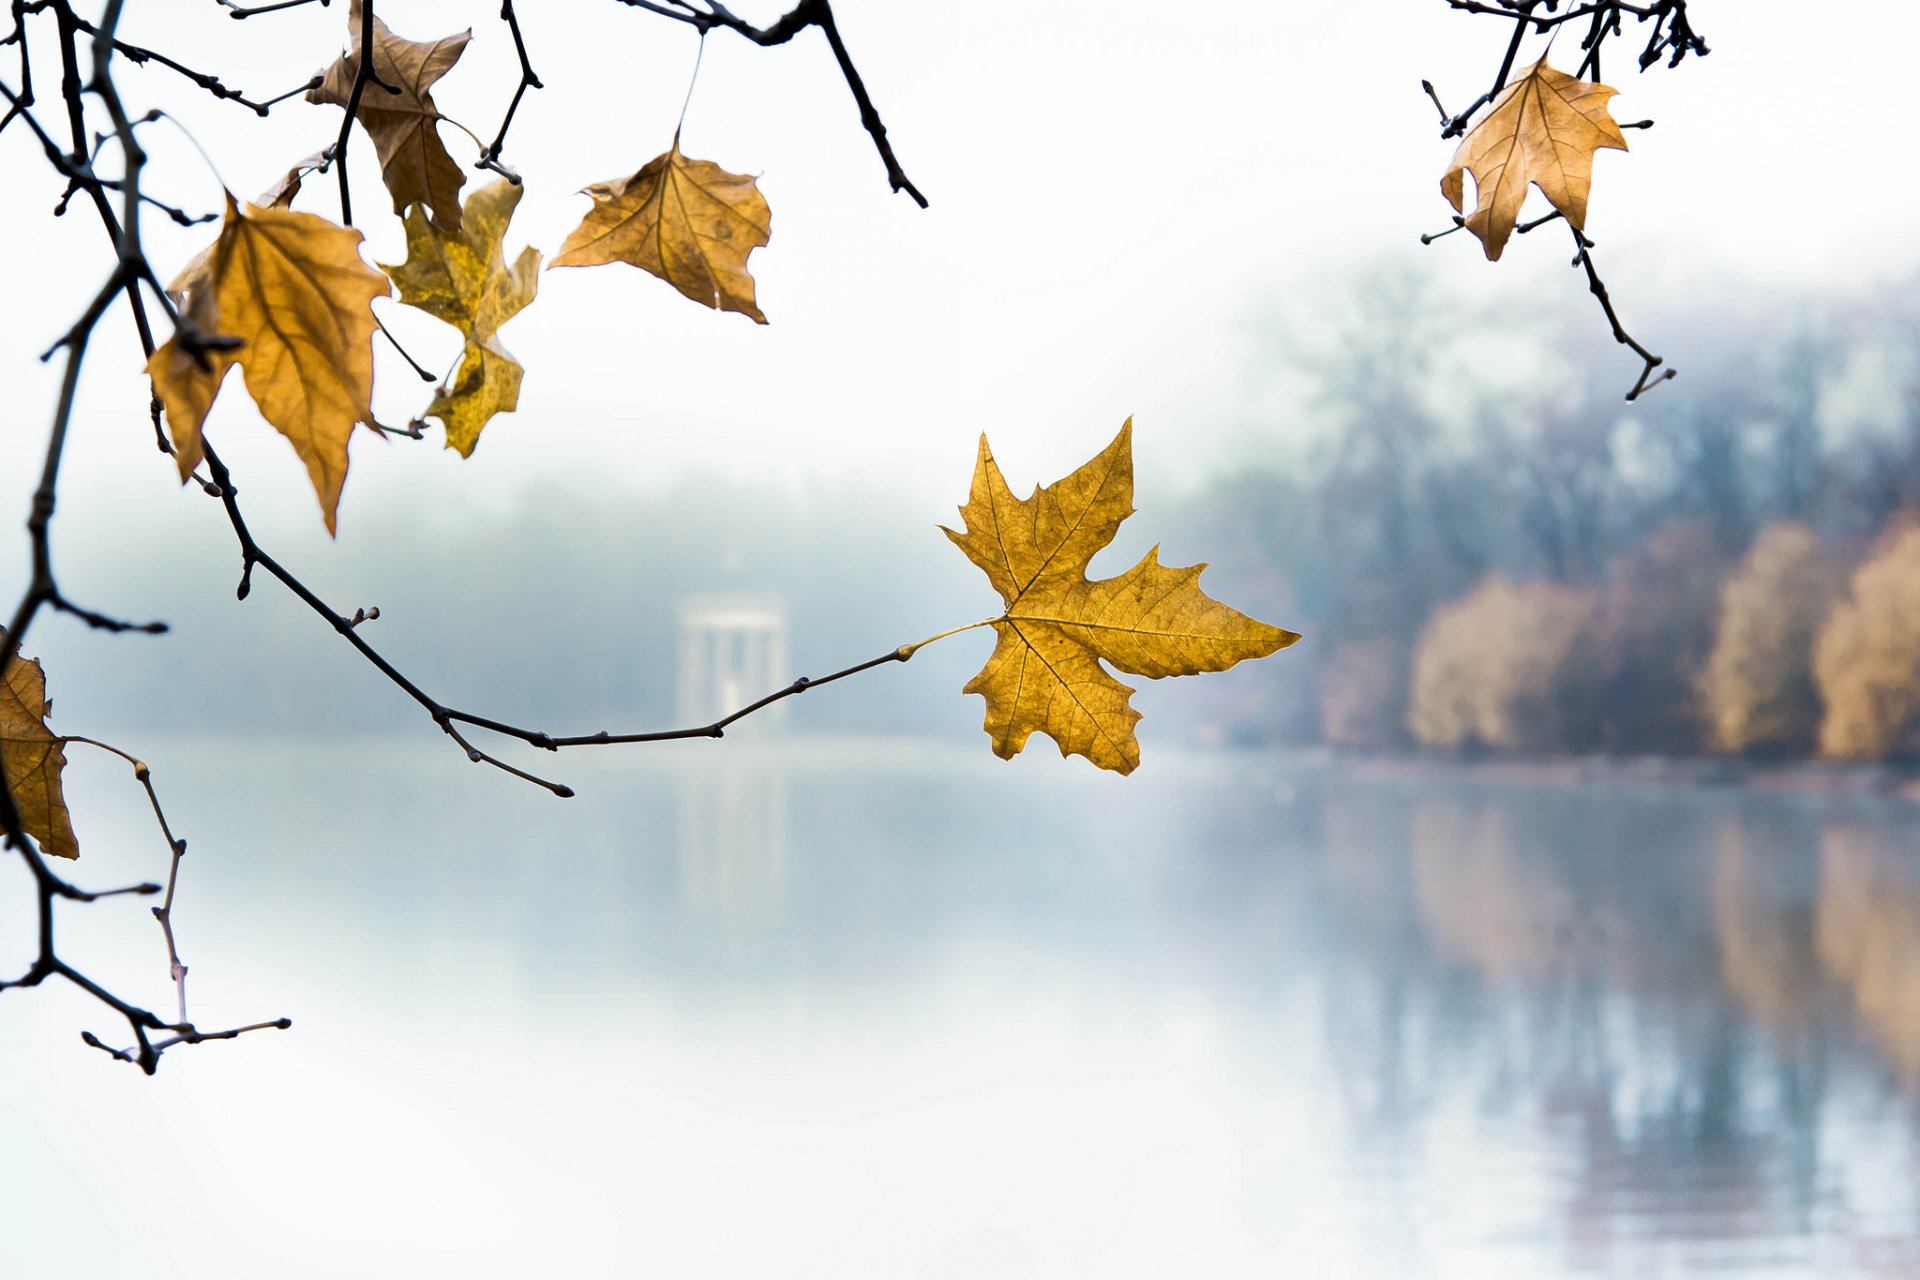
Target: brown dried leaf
[(280, 195), (690, 222), (1542, 129), (33, 757), (413, 160)]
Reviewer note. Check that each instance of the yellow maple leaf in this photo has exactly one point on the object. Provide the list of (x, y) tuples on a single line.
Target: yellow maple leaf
[(292, 290), (1542, 129), (462, 277), (1153, 620), (690, 222), (33, 757), (403, 126)]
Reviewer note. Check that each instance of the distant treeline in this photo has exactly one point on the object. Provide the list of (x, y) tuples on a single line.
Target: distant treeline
[(1731, 564)]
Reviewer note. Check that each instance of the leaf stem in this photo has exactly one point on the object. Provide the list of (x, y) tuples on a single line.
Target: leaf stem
[(699, 54), (908, 650)]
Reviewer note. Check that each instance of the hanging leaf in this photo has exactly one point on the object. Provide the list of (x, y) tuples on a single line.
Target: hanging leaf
[(291, 290), (33, 758), (403, 126), (280, 195), (1542, 129), (1045, 674), (690, 222), (462, 278)]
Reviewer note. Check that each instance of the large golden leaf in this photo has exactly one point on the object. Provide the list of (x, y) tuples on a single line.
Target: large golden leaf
[(462, 277), (33, 758), (292, 289), (1045, 674), (690, 222), (1542, 129), (413, 160)]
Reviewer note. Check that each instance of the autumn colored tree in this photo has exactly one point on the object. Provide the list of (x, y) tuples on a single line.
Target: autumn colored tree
[(1756, 690), (1866, 659), (1656, 626), (1511, 666)]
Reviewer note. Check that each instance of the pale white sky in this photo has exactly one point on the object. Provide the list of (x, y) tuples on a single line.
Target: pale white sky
[(1124, 195)]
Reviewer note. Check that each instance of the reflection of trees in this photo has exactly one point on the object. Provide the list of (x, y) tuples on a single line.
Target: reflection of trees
[(1700, 1175), (1588, 966), (1867, 929), (1487, 900), (1763, 925)]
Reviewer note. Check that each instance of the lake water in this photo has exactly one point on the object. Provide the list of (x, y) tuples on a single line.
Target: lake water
[(887, 1010)]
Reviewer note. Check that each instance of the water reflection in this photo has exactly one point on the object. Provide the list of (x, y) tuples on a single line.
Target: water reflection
[(1763, 920), (732, 830), (922, 1013), (1867, 930), (1644, 980), (1487, 900)]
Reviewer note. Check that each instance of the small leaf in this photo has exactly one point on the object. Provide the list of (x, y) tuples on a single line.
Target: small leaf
[(690, 222), (280, 195), (291, 290), (403, 126), (1542, 129), (33, 757), (462, 278), (1045, 674)]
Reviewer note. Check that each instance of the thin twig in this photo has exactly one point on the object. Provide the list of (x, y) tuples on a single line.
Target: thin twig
[(253, 555), (490, 155), (1583, 257), (135, 54), (807, 13), (236, 10)]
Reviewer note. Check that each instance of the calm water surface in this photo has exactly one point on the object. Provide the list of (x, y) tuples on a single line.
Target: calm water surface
[(904, 1010)]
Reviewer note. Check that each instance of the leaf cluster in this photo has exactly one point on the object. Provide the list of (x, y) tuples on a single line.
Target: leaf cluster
[(285, 295)]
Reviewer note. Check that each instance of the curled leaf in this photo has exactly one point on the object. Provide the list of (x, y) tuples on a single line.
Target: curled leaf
[(1045, 673), (280, 195), (690, 222)]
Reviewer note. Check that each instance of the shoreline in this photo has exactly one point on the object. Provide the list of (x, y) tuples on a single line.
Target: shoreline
[(1811, 779)]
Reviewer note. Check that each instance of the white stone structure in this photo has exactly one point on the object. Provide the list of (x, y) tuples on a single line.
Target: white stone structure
[(733, 649)]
